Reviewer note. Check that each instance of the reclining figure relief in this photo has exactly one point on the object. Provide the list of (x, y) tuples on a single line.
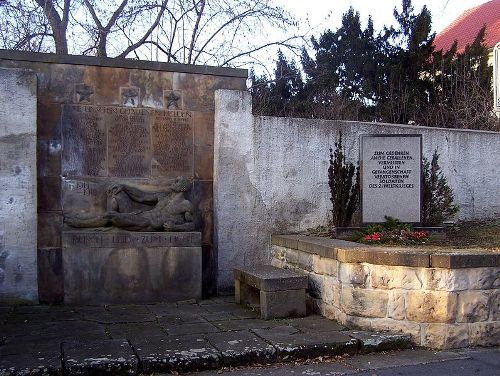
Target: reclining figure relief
[(168, 210)]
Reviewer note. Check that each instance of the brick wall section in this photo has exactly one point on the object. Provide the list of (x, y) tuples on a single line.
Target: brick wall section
[(398, 290)]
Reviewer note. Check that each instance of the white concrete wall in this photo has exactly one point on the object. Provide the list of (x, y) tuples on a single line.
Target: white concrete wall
[(270, 174), (18, 204)]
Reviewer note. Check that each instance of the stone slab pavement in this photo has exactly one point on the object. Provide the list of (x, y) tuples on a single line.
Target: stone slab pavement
[(418, 362), (167, 337)]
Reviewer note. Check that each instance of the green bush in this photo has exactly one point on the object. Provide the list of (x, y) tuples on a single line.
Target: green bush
[(343, 180), (437, 205)]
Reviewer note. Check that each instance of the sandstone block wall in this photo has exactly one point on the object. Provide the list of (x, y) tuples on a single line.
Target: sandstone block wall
[(438, 307)]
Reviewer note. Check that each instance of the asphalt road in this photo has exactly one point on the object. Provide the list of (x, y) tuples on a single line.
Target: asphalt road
[(468, 362)]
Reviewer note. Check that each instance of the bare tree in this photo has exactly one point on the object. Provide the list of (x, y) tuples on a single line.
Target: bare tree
[(217, 32)]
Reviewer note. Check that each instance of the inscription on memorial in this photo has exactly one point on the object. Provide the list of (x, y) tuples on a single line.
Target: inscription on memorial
[(84, 138), (119, 239), (391, 172), (391, 177), (172, 143), (126, 142), (129, 151)]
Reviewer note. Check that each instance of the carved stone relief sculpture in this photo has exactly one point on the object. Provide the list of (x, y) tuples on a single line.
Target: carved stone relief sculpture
[(168, 210)]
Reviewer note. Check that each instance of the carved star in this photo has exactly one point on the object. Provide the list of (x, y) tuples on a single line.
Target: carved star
[(129, 95), (172, 100), (84, 92)]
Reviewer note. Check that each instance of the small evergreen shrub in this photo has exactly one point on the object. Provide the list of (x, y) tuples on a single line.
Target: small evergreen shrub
[(343, 180), (437, 205)]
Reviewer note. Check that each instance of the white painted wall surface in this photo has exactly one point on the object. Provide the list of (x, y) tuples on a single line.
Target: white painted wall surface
[(18, 203), (270, 174)]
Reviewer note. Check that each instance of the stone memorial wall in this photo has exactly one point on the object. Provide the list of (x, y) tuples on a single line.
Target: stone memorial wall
[(105, 121)]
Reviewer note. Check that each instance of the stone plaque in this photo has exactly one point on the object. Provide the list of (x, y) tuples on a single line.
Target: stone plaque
[(172, 137), (129, 145), (391, 177), (127, 267), (84, 141), (111, 141)]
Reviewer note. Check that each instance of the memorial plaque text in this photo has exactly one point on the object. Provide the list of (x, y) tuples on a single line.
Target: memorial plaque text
[(391, 168)]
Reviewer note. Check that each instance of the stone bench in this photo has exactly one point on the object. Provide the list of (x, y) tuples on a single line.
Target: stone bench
[(279, 292)]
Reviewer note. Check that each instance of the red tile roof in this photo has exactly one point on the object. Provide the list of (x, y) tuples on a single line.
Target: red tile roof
[(465, 28)]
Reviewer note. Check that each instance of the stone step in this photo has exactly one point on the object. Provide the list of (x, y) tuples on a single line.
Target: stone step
[(191, 353)]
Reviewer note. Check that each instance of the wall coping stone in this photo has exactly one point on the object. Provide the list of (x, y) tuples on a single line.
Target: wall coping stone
[(350, 252), (121, 63)]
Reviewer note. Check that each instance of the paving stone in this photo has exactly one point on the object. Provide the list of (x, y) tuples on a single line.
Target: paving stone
[(134, 330), (217, 300), (315, 323), (179, 318), (234, 309), (376, 341), (104, 357), (196, 328), (291, 343), (181, 354), (245, 324), (38, 362), (219, 316), (242, 348), (185, 309), (116, 315), (55, 331)]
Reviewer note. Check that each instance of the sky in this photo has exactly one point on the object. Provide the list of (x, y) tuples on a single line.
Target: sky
[(443, 11), (315, 16)]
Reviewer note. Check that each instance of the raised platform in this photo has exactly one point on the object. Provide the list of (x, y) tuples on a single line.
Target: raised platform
[(131, 267), (442, 298)]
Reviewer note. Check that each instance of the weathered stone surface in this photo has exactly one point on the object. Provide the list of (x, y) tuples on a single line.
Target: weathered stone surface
[(281, 304), (396, 306), (18, 195), (495, 305), (484, 334), (483, 278), (305, 261), (316, 285), (324, 247), (373, 341), (331, 291), (473, 306), (269, 278), (114, 268), (187, 353), (105, 357), (431, 306), (398, 326), (291, 343), (354, 274), (50, 275), (445, 336), (364, 303), (30, 359), (387, 277), (465, 260), (325, 265), (286, 241), (315, 323), (444, 279), (242, 348)]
